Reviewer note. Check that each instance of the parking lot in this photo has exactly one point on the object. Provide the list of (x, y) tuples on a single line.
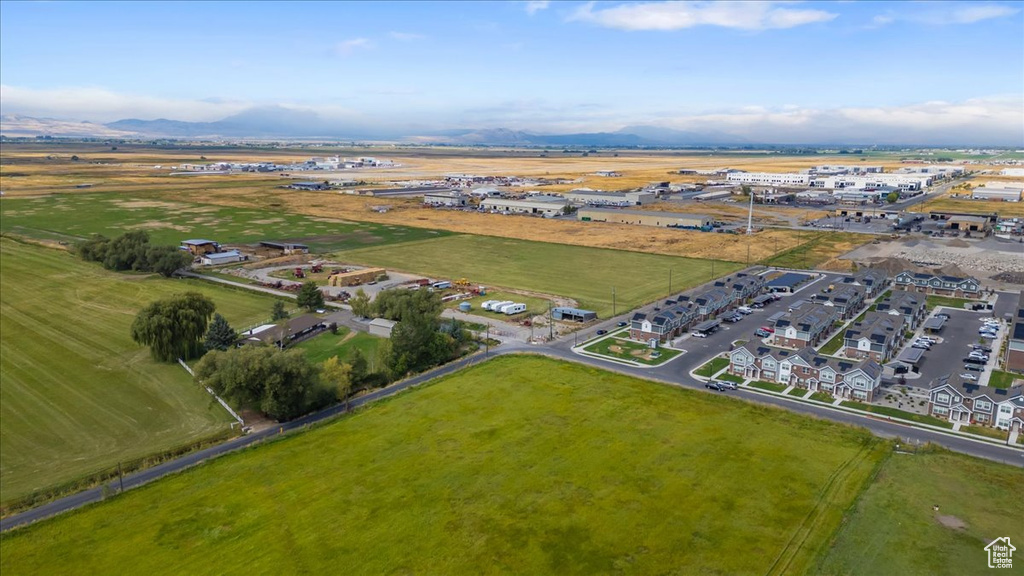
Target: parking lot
[(955, 340)]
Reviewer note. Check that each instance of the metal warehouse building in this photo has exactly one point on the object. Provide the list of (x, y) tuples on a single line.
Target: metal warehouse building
[(574, 314), (543, 205), (1004, 193), (662, 219), (595, 198)]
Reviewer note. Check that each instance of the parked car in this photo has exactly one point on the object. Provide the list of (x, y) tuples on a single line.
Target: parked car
[(943, 315), (974, 367), (699, 335), (969, 377), (761, 333), (920, 346), (602, 332), (981, 348), (745, 310), (768, 329), (713, 386), (970, 360), (725, 385), (621, 324)]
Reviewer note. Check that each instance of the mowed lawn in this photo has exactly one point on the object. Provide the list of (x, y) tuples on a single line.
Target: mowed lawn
[(522, 465), (71, 217), (587, 275), (895, 529), (78, 394)]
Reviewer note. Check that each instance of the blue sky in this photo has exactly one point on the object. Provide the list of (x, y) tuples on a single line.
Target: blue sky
[(751, 69)]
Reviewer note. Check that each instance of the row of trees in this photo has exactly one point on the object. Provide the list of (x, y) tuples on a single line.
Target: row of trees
[(132, 251)]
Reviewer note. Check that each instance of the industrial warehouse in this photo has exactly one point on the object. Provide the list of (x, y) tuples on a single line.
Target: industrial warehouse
[(643, 218)]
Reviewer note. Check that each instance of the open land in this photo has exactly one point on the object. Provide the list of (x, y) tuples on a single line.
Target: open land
[(72, 217), (341, 345), (585, 274), (78, 395), (525, 464), (895, 529)]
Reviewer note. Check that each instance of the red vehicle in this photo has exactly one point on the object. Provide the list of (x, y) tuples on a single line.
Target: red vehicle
[(768, 330)]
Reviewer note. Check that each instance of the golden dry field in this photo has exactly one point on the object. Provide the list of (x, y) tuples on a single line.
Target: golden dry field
[(34, 170)]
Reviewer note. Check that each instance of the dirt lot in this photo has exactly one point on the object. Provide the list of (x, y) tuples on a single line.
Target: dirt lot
[(982, 258)]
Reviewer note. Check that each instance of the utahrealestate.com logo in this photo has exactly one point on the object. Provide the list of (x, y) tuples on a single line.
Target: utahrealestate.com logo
[(1000, 553)]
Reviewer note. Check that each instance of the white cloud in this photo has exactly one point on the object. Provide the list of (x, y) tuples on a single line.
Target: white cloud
[(406, 36), (534, 6), (347, 47), (946, 14), (754, 15)]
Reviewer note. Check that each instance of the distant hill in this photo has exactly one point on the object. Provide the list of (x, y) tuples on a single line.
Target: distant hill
[(17, 126)]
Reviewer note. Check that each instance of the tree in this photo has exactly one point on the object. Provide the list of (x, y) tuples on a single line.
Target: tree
[(128, 251), (893, 197), (360, 304), (94, 249), (166, 260), (281, 384), (337, 376), (221, 335), (278, 312), (358, 367), (174, 327), (310, 297)]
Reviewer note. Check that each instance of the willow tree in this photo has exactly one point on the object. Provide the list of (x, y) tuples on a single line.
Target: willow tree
[(174, 327)]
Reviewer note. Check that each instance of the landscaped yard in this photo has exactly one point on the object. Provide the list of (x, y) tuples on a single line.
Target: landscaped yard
[(72, 217), (986, 431), (933, 300), (521, 465), (897, 413), (895, 528), (589, 275), (823, 397), (732, 378), (711, 367), (342, 344), (833, 345), (773, 386), (78, 394), (1004, 380), (631, 350)]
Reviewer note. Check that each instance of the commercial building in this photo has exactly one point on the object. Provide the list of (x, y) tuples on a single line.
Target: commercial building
[(546, 206), (903, 182), (769, 178), (1015, 339), (994, 191), (807, 369), (573, 314), (951, 398), (978, 224), (586, 197), (642, 218), (942, 285), (448, 199)]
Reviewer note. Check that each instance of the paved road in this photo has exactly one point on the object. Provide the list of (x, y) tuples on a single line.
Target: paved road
[(674, 373)]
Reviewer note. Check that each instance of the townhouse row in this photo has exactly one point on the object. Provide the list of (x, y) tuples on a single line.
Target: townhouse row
[(679, 314)]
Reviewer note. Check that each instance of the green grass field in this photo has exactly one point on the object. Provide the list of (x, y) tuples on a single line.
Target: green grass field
[(631, 350), (73, 217), (933, 300), (341, 345), (522, 465), (585, 274), (711, 367), (1004, 380), (78, 395), (895, 530)]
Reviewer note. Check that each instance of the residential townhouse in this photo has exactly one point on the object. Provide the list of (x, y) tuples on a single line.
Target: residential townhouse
[(951, 398), (710, 302), (847, 299), (742, 286), (804, 326), (873, 280), (878, 336), (669, 322), (1015, 339), (913, 307), (858, 380), (942, 285)]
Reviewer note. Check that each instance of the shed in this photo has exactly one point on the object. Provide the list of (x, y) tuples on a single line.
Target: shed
[(573, 314), (218, 258), (382, 327), (199, 246), (707, 325)]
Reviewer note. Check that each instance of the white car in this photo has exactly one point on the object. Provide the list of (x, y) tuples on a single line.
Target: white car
[(968, 377), (699, 335)]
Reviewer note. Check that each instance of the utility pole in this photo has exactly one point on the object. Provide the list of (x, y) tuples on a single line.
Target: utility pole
[(551, 323), (120, 477), (669, 281), (750, 217), (487, 340), (613, 301)]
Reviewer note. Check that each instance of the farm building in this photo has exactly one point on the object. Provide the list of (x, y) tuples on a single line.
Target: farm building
[(992, 191), (662, 219), (269, 248), (218, 258), (308, 186), (573, 314), (546, 206), (594, 198), (448, 198), (356, 277), (199, 247), (290, 331), (382, 327)]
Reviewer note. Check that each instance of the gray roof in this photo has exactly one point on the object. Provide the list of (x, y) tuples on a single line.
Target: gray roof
[(679, 215)]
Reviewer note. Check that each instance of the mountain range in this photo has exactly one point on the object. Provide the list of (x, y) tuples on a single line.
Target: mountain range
[(276, 122)]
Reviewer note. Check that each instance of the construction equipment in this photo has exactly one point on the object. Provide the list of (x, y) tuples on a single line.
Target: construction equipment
[(317, 268), (462, 283), (299, 273)]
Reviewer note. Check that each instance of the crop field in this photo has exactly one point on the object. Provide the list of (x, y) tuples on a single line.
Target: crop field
[(895, 529), (521, 465), (78, 395), (71, 217), (587, 275)]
